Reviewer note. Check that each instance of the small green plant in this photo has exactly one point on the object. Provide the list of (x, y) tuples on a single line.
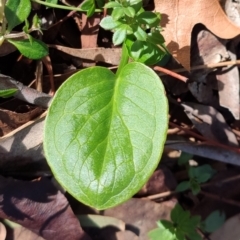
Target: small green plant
[(104, 132), (184, 226), (197, 175), (13, 13)]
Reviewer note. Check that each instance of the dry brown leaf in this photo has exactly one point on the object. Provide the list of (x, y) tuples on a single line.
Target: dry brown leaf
[(179, 17), (210, 123), (39, 206), (230, 230)]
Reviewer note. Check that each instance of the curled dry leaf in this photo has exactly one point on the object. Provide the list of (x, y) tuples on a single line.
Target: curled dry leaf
[(40, 207), (10, 120), (179, 17)]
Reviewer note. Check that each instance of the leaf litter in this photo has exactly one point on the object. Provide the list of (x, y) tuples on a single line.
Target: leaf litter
[(207, 129)]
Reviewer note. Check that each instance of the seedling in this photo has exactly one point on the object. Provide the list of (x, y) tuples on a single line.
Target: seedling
[(184, 226), (105, 132), (197, 175)]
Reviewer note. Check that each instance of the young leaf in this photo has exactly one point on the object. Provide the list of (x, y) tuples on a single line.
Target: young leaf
[(184, 158), (149, 18), (112, 5), (155, 37), (146, 52), (89, 6), (178, 215), (140, 34), (119, 35), (16, 11), (133, 2), (91, 10), (214, 221), (34, 50), (183, 186), (157, 234), (117, 13), (100, 3), (8, 92), (195, 186), (129, 11), (104, 134), (202, 173), (109, 23)]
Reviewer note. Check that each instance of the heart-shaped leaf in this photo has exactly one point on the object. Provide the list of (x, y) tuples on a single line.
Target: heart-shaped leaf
[(104, 134)]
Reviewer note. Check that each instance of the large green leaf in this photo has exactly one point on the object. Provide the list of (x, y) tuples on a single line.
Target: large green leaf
[(104, 135), (16, 11)]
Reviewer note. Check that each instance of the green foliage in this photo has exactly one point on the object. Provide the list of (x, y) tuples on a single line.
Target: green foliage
[(213, 222), (184, 158), (8, 92), (16, 12), (197, 175), (89, 6), (139, 29), (184, 226), (33, 49), (104, 133)]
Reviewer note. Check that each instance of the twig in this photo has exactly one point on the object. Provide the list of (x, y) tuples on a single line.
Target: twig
[(162, 195), (206, 141), (25, 93), (207, 66), (170, 73), (220, 198)]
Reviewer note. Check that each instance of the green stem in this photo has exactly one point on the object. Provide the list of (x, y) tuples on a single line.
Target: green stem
[(124, 59), (52, 5)]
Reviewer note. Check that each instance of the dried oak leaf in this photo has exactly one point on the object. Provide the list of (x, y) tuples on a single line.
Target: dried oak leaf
[(40, 207), (179, 18)]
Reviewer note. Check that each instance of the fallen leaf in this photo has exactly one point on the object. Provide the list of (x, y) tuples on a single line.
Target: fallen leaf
[(98, 221), (141, 215), (230, 230), (210, 123), (10, 120), (228, 85), (205, 150), (108, 55), (162, 180), (40, 207), (179, 17), (20, 233), (23, 146), (89, 33)]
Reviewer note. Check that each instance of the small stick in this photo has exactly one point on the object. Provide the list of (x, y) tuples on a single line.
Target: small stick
[(220, 198), (170, 73)]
